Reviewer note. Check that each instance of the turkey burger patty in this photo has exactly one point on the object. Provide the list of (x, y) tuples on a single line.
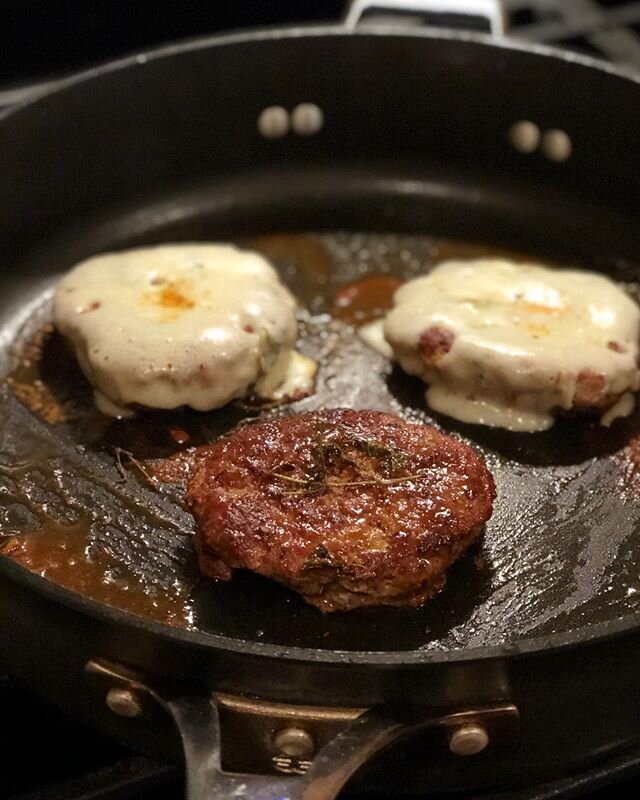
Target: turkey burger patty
[(181, 325), (348, 508), (507, 345)]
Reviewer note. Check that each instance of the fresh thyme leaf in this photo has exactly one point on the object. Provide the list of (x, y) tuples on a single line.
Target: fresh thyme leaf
[(119, 453), (280, 476), (336, 450), (319, 558)]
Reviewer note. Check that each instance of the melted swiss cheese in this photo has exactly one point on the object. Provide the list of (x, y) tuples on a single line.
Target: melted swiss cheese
[(522, 337), (190, 324)]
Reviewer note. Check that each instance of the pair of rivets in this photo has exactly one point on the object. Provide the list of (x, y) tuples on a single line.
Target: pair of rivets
[(466, 740), (305, 119), (526, 137)]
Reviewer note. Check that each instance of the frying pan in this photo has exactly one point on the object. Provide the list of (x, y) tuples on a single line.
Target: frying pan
[(528, 663)]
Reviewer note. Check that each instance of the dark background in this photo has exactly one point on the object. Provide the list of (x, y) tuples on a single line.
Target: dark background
[(42, 37)]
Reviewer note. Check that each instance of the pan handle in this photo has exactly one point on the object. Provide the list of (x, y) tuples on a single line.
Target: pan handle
[(195, 715), (489, 15), (467, 732), (197, 721)]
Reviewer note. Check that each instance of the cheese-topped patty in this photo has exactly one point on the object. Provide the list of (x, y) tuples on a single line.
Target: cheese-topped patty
[(190, 324), (506, 344)]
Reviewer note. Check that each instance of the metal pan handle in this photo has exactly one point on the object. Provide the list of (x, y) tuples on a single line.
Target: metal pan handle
[(195, 715), (488, 15), (197, 720), (467, 733)]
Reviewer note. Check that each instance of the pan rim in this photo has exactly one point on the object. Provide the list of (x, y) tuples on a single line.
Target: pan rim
[(315, 31), (585, 635), (594, 633)]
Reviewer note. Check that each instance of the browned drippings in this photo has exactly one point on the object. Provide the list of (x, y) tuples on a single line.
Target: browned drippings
[(28, 385), (359, 271), (365, 300), (47, 379), (303, 257), (39, 398), (353, 275), (62, 554)]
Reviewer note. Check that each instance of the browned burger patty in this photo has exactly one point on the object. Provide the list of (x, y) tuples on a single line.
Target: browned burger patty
[(348, 508)]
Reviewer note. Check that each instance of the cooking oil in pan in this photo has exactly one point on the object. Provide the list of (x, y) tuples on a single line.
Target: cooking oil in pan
[(561, 544)]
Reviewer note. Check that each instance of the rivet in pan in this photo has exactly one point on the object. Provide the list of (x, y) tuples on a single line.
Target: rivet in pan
[(295, 742), (556, 144), (124, 703), (307, 119), (468, 740), (273, 122), (524, 136)]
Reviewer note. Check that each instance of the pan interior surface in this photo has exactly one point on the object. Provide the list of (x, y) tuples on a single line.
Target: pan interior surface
[(78, 506)]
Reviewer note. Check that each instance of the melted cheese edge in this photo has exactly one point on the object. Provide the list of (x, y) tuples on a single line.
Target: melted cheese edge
[(186, 324), (372, 333), (522, 335)]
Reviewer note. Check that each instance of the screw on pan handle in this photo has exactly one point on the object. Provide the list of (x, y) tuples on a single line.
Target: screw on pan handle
[(488, 15)]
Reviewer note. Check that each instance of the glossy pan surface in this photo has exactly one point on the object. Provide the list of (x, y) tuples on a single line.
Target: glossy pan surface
[(561, 553)]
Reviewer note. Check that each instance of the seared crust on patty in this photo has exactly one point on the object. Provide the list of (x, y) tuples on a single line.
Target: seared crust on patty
[(348, 508)]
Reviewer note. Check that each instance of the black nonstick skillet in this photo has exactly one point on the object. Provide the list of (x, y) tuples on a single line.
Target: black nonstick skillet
[(297, 141)]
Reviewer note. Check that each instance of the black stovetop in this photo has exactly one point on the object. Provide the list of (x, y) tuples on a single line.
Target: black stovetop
[(46, 755)]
